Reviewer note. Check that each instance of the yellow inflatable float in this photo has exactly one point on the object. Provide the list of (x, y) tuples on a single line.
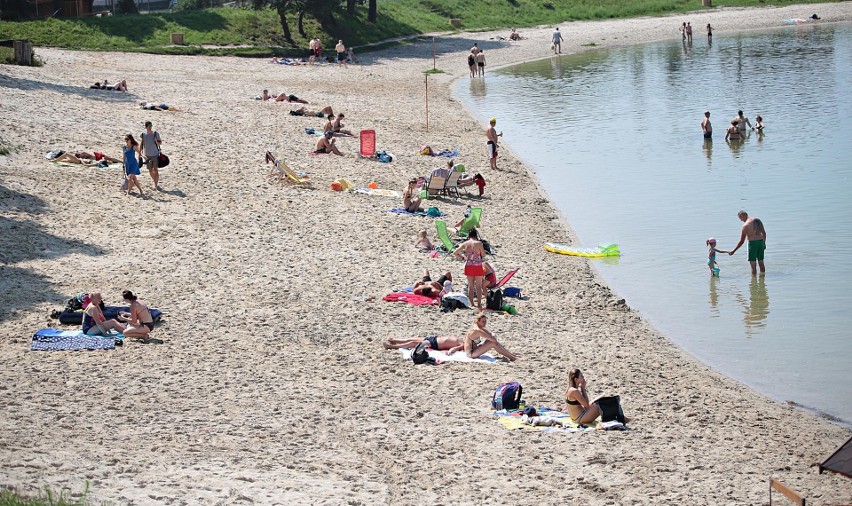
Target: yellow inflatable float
[(603, 250)]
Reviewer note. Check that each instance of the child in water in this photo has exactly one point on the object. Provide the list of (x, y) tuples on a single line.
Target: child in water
[(423, 243), (711, 256)]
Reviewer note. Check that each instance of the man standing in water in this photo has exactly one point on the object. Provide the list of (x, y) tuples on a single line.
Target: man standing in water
[(742, 122), (755, 233), (492, 135), (706, 127)]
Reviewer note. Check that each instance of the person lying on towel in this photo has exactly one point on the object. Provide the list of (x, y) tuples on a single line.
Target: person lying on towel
[(435, 342), (430, 288)]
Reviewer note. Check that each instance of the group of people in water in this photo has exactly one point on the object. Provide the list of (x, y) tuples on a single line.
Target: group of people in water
[(737, 129)]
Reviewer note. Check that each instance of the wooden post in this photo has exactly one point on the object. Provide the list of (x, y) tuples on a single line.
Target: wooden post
[(786, 491), (23, 52), (427, 102)]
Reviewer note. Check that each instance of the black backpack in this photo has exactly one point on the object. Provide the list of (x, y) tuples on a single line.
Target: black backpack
[(451, 304), (494, 300), (420, 355)]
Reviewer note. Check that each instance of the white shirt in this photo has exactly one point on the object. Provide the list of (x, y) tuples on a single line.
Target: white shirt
[(557, 37)]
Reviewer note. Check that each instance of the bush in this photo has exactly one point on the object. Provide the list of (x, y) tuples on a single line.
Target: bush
[(126, 7), (193, 5)]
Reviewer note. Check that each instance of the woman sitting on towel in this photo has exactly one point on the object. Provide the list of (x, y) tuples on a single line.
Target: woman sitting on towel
[(479, 340), (410, 198), (94, 321), (579, 407), (140, 321)]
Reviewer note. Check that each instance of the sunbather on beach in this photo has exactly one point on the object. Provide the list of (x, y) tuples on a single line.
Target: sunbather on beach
[(94, 321), (140, 321), (479, 340), (490, 276), (410, 198), (120, 86), (329, 124), (431, 288), (304, 111), (154, 106), (85, 158), (338, 126), (435, 342), (423, 243), (283, 97), (579, 407), (325, 144)]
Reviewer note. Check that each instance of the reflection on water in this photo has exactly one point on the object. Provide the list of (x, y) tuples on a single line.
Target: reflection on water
[(756, 308), (622, 163)]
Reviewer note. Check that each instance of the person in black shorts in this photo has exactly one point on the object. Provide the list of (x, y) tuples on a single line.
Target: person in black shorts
[(431, 288)]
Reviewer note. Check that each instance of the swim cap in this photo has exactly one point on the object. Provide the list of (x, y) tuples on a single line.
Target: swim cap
[(712, 240), (493, 120)]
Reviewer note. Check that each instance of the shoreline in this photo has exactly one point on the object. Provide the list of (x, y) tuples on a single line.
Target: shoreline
[(271, 385)]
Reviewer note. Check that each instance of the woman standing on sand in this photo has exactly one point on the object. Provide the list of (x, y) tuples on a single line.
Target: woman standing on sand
[(131, 163), (479, 340), (472, 252), (579, 407)]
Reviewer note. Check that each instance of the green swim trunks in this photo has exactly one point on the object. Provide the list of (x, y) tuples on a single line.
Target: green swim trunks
[(755, 250)]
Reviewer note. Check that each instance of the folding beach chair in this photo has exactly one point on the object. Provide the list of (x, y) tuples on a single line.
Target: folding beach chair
[(444, 236), (452, 184), (471, 222), (436, 185), (368, 143), (505, 279), (281, 172)]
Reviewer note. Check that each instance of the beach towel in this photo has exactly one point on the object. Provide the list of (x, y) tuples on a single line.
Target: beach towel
[(110, 313), (449, 153), (313, 131), (379, 192), (458, 356), (411, 298), (68, 340), (400, 210), (515, 420)]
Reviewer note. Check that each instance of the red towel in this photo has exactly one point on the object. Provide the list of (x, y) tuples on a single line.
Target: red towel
[(411, 298)]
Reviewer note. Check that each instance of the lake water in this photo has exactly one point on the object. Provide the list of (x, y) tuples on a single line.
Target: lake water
[(614, 136)]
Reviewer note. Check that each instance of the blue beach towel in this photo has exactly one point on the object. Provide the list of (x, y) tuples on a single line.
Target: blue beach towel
[(70, 340), (400, 210)]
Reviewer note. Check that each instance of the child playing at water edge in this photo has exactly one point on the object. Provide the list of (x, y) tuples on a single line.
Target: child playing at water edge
[(423, 243), (711, 256)]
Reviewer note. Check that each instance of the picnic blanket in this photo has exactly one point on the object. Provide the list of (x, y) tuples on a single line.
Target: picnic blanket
[(68, 340), (514, 420), (411, 298), (441, 356)]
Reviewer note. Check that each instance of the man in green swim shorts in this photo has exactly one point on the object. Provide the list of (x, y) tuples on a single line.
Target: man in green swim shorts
[(755, 233)]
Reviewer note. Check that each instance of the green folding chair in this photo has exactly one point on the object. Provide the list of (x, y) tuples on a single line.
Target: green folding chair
[(444, 236), (471, 222)]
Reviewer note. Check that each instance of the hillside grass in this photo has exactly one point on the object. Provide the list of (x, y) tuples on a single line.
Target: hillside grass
[(258, 33)]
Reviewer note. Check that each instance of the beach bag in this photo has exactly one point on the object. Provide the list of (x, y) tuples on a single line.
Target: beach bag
[(494, 301), (507, 396), (162, 160), (611, 409), (433, 212), (420, 355), (450, 304), (512, 291), (54, 154)]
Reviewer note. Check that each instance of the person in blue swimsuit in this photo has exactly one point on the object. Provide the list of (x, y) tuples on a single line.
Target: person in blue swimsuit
[(131, 163), (711, 256), (94, 321)]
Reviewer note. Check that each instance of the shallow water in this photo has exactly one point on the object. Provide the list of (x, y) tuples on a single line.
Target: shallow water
[(614, 137)]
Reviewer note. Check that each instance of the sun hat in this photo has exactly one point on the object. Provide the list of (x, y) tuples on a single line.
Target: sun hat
[(712, 240)]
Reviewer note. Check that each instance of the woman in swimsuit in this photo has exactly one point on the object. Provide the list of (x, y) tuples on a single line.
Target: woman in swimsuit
[(472, 252), (94, 321), (410, 199), (579, 407), (733, 132), (479, 340), (140, 322)]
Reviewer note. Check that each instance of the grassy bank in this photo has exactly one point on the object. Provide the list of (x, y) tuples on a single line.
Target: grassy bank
[(259, 32)]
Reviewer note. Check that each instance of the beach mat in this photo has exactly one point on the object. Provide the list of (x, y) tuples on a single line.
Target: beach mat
[(70, 340), (458, 356), (514, 420), (110, 313)]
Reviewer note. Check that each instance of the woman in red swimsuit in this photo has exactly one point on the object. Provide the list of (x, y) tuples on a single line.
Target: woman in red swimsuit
[(472, 252)]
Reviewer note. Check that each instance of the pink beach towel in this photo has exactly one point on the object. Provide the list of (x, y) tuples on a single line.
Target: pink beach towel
[(368, 143), (411, 298)]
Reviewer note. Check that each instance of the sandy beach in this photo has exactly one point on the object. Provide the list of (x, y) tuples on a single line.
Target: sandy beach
[(271, 385)]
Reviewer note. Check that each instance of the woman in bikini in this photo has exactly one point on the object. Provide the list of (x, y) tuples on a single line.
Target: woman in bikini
[(94, 321), (140, 322), (733, 133), (472, 252), (479, 340), (410, 198), (579, 407)]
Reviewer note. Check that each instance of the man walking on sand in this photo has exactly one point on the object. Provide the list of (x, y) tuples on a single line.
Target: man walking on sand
[(150, 147), (755, 233), (492, 135), (557, 41)]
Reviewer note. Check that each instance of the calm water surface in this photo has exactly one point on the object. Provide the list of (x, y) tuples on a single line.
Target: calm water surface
[(614, 137)]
